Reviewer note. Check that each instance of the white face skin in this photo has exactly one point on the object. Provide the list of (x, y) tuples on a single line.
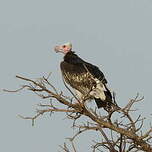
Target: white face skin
[(65, 48)]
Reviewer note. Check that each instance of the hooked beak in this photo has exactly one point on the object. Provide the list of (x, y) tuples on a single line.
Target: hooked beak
[(57, 49)]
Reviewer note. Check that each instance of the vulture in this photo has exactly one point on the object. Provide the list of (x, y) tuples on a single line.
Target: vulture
[(85, 78)]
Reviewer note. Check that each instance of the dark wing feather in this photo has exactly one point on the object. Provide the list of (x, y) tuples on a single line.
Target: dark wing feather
[(94, 70), (77, 77)]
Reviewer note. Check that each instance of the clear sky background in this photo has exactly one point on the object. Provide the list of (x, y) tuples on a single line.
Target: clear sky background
[(115, 35)]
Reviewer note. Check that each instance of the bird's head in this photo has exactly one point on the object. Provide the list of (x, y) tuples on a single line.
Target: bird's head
[(65, 48)]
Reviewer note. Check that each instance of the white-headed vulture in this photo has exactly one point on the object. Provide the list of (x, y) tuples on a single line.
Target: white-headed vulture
[(85, 78)]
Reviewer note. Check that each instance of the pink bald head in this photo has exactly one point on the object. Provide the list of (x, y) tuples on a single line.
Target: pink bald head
[(65, 48)]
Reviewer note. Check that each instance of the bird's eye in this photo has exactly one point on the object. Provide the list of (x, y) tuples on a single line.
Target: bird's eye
[(64, 46)]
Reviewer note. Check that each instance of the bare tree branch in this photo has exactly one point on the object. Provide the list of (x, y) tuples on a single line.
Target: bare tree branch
[(125, 131)]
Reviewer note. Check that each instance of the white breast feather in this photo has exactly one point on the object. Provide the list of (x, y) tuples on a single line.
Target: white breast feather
[(98, 91)]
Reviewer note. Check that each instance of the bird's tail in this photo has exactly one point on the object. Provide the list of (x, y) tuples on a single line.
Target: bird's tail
[(103, 104), (100, 103), (108, 104)]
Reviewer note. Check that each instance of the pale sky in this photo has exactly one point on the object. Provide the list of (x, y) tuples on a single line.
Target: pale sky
[(114, 35)]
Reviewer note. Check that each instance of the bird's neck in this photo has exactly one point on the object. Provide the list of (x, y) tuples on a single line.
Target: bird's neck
[(69, 56)]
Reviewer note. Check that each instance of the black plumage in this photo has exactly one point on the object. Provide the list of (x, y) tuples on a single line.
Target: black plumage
[(86, 78)]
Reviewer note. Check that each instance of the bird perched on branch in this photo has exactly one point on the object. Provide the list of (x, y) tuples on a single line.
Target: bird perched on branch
[(85, 78)]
